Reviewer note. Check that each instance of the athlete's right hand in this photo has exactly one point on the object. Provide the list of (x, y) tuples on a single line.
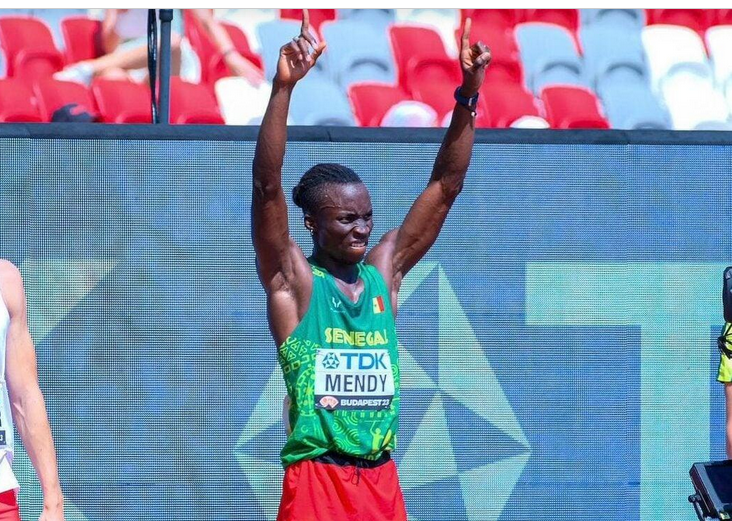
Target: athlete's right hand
[(298, 56)]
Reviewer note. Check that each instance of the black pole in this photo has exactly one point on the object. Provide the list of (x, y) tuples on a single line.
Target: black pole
[(166, 16), (152, 61)]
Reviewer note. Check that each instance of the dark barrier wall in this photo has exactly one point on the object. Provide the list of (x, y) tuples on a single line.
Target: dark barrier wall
[(558, 358)]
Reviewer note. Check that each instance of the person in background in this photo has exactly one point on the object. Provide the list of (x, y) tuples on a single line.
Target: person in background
[(724, 376), (124, 42), (22, 404)]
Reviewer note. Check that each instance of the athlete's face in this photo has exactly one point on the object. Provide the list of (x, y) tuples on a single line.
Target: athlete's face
[(342, 225)]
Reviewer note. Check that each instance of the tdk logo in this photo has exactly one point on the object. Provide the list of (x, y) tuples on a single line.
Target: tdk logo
[(330, 361), (363, 361)]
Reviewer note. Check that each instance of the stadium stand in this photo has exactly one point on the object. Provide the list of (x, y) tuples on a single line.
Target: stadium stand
[(53, 94), (633, 106), (410, 114), (17, 104), (192, 103), (319, 101), (572, 107), (719, 43), (698, 20), (349, 64), (612, 55), (418, 53), (29, 49), (443, 21), (654, 68), (503, 105), (241, 103), (500, 18), (628, 19), (272, 35), (317, 17), (549, 55), (567, 18), (213, 66), (505, 57), (122, 101), (670, 48), (708, 109), (371, 101), (82, 38)]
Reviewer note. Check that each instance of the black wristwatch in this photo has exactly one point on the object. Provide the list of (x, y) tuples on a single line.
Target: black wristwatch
[(469, 103)]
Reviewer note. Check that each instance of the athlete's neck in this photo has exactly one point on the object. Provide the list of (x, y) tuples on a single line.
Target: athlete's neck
[(348, 273)]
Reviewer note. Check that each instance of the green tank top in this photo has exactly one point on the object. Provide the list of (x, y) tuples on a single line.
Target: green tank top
[(341, 370)]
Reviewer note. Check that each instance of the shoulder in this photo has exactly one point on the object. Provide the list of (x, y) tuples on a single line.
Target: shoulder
[(11, 285), (9, 275)]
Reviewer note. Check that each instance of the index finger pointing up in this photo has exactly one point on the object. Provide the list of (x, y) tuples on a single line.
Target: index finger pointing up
[(465, 39), (305, 21)]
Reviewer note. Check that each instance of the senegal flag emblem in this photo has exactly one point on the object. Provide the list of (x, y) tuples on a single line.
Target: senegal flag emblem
[(378, 305)]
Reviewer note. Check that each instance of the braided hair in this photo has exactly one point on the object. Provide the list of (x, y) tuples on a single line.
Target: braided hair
[(309, 191)]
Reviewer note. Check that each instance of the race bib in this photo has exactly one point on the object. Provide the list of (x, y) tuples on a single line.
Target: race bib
[(353, 379)]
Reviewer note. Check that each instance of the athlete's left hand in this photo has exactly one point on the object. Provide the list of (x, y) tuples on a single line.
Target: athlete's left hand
[(473, 61)]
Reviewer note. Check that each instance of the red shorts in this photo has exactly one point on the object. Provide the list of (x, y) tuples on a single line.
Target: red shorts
[(9, 506), (317, 491)]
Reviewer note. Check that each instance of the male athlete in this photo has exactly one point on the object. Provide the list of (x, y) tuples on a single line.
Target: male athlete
[(23, 403), (332, 314)]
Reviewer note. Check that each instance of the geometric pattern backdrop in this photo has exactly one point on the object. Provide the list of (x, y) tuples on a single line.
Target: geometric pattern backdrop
[(557, 344)]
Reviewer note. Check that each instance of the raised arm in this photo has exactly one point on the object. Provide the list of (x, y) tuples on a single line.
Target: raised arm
[(26, 399), (281, 264), (400, 249)]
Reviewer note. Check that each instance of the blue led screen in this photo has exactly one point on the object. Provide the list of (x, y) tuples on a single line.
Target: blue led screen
[(558, 342)]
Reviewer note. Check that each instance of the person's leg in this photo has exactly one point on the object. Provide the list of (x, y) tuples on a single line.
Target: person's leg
[(126, 58), (114, 73), (381, 497), (313, 491), (105, 66)]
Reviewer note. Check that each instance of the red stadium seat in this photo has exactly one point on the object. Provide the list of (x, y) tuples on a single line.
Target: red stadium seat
[(122, 101), (213, 67), (29, 49), (433, 81), (54, 94), (572, 107), (501, 104), (241, 43), (429, 70), (82, 38), (438, 95), (698, 20), (317, 16), (17, 103), (568, 18), (371, 101), (722, 17), (497, 18), (505, 57), (191, 103), (412, 44)]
